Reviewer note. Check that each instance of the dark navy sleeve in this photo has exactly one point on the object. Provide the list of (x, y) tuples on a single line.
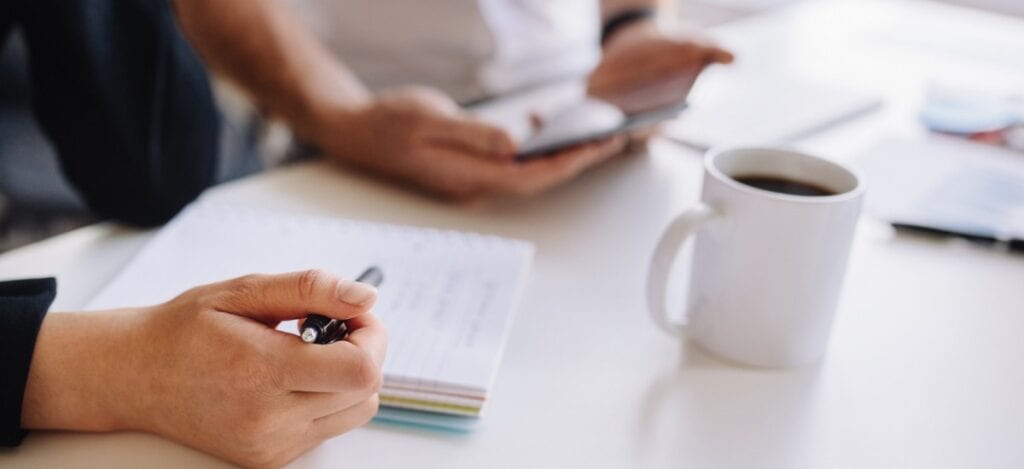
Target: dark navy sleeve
[(23, 304), (125, 100)]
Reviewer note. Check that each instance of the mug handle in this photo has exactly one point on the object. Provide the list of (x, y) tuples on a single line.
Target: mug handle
[(664, 257)]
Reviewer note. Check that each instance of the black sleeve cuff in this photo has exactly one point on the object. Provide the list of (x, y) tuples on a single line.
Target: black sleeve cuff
[(23, 304), (623, 18)]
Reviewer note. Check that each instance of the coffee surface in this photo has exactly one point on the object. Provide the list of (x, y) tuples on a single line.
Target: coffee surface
[(784, 185)]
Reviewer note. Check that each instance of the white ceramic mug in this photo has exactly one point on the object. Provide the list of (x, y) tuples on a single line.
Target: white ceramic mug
[(767, 266)]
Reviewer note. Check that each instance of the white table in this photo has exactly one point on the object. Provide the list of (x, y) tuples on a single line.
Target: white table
[(923, 368)]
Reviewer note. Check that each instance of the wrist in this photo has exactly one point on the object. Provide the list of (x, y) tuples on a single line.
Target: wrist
[(316, 121), (82, 375), (324, 93), (339, 131), (320, 120)]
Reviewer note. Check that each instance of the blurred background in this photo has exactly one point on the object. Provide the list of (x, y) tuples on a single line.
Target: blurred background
[(35, 204), (713, 12)]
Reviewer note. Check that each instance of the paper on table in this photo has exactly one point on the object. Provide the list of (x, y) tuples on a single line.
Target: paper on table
[(946, 183), (743, 108), (447, 297)]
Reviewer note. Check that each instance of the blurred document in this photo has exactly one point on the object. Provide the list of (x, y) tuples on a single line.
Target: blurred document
[(748, 108), (947, 184)]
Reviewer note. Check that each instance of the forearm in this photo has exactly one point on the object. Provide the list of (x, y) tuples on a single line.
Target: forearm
[(263, 47), (79, 379)]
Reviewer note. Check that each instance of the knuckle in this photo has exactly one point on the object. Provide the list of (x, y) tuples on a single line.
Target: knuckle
[(368, 376), (192, 301), (202, 297), (255, 373), (245, 282), (310, 281), (192, 294), (246, 287)]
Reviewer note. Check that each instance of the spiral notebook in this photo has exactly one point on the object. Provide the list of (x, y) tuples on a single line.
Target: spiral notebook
[(448, 298)]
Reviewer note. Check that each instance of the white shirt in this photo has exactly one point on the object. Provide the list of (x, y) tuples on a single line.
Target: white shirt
[(470, 49)]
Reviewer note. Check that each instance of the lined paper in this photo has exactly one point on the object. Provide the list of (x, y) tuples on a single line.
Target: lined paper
[(447, 299)]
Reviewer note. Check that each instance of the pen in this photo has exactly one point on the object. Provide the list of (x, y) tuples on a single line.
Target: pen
[(320, 329), (1012, 245)]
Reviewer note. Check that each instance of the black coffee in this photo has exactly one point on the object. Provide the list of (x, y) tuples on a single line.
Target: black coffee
[(784, 186)]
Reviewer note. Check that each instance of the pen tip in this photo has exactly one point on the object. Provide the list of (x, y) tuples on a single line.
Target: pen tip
[(309, 335)]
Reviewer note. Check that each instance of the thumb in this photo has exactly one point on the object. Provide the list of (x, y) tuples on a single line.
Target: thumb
[(280, 297), (715, 54)]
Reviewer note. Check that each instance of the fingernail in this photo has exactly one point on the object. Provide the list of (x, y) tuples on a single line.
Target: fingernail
[(355, 293)]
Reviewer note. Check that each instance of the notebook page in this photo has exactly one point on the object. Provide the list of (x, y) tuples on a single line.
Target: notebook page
[(447, 298)]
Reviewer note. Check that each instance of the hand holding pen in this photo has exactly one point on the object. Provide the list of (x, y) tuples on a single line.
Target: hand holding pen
[(319, 329), (214, 355)]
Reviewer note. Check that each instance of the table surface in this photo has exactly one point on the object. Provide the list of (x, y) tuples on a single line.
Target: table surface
[(922, 367)]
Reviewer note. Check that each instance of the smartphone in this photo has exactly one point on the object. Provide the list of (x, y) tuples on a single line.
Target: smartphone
[(629, 124)]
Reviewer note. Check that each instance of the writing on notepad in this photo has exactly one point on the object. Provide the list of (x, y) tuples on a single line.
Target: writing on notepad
[(447, 298)]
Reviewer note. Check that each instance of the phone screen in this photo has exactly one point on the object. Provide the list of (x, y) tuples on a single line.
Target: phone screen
[(632, 122)]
